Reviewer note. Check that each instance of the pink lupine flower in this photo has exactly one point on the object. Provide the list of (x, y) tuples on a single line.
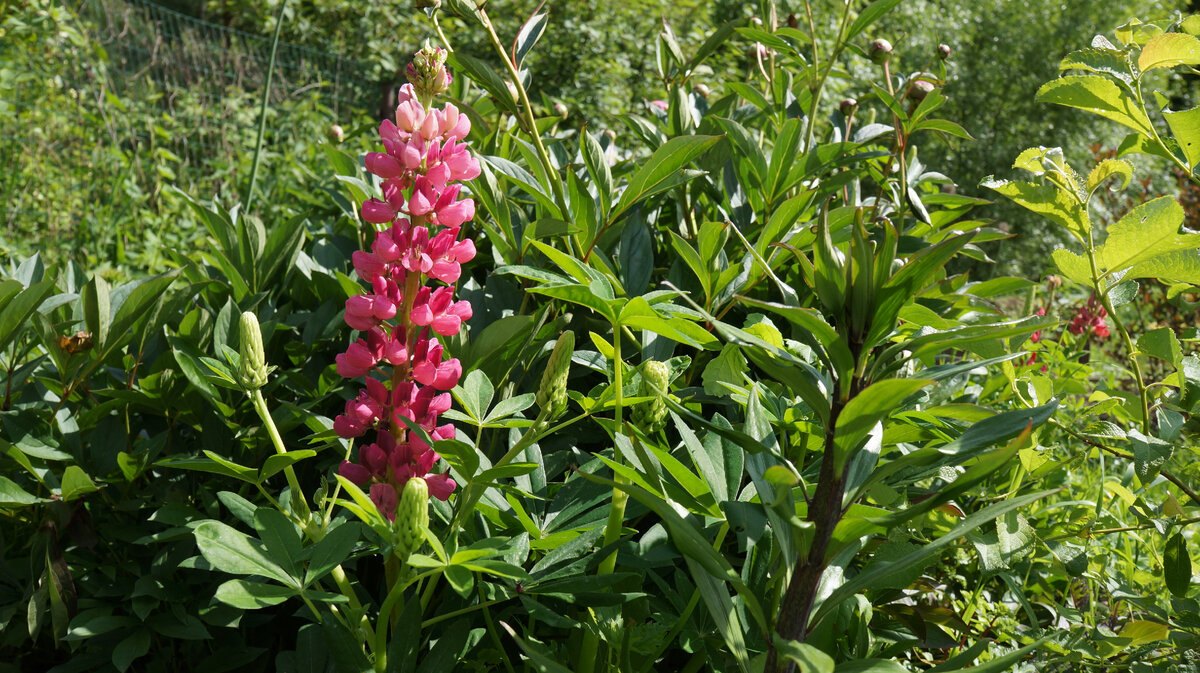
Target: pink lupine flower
[(1090, 316), (439, 310), (1037, 336), (419, 215)]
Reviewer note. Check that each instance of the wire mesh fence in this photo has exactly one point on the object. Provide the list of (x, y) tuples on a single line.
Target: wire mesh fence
[(108, 96)]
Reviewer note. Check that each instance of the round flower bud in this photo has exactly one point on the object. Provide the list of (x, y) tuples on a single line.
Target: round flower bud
[(335, 134), (920, 89), (848, 106), (561, 110), (880, 50), (252, 370), (552, 393), (702, 90), (412, 517), (944, 51), (656, 379), (756, 21), (1053, 282)]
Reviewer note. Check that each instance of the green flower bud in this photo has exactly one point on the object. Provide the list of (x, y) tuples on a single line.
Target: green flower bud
[(920, 89), (412, 517), (880, 51), (252, 370), (428, 74), (656, 380), (552, 393)]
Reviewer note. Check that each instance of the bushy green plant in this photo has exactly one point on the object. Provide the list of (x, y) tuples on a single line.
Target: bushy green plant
[(718, 403)]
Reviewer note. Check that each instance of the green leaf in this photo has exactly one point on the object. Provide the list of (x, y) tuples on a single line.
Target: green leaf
[(808, 659), (692, 544), (1048, 201), (943, 126), (279, 536), (232, 551), (17, 308), (97, 309), (1108, 169), (1169, 50), (1177, 565), (1073, 265), (215, 465), (131, 648), (870, 666), (528, 36), (11, 494), (870, 14), (1180, 266), (485, 76), (1149, 230), (1142, 632), (1162, 344), (1000, 664), (529, 184), (866, 580), (1185, 126), (475, 393), (1099, 60), (582, 295), (662, 164), (728, 367), (540, 660), (247, 595), (1149, 455), (276, 463), (331, 551), (1098, 96), (869, 407), (75, 483), (597, 166)]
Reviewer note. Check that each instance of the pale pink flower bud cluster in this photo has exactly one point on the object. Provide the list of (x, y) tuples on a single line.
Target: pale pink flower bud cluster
[(411, 270)]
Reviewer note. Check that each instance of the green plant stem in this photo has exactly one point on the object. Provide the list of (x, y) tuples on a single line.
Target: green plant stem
[(616, 511), (1143, 393), (262, 110), (491, 627), (460, 612), (817, 89), (526, 114), (383, 623), (260, 406), (1166, 474)]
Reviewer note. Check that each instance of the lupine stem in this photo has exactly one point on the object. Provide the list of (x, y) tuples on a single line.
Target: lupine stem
[(383, 623), (526, 113), (260, 405), (616, 511)]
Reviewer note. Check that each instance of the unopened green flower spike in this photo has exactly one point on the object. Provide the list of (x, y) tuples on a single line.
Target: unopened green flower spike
[(552, 393), (412, 517), (656, 379), (252, 369)]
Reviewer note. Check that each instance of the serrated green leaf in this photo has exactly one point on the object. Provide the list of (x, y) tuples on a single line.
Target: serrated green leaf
[(1099, 96), (1169, 50)]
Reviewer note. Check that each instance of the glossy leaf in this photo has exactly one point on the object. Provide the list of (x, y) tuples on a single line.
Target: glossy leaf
[(658, 169), (1098, 96)]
